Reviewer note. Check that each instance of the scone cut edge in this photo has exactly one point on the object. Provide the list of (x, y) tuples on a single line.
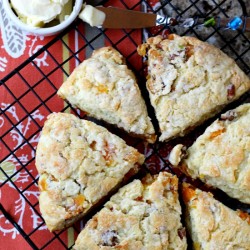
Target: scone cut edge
[(188, 82), (79, 163), (211, 224), (106, 89), (220, 156), (143, 215)]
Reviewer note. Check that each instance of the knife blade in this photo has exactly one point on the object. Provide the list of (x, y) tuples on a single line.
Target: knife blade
[(117, 18)]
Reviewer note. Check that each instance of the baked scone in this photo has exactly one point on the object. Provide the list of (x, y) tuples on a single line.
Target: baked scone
[(221, 156), (212, 225), (189, 81), (143, 215), (79, 163), (106, 89)]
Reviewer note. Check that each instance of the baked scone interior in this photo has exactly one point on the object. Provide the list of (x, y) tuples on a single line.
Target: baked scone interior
[(79, 163), (106, 89), (189, 81), (211, 224), (220, 157), (142, 215)]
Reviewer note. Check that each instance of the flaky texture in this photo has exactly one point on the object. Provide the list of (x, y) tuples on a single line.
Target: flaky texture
[(189, 81), (212, 225), (221, 156), (106, 89), (79, 163), (143, 215)]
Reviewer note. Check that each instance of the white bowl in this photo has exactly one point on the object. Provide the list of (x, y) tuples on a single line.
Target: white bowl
[(43, 31)]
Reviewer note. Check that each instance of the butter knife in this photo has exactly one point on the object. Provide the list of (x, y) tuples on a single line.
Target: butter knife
[(117, 18)]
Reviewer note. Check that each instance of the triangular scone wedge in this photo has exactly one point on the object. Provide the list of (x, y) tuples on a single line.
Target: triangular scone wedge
[(221, 156), (79, 163), (106, 89), (212, 225), (189, 81), (143, 215)]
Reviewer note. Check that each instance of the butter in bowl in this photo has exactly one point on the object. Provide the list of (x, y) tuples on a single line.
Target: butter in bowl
[(47, 17)]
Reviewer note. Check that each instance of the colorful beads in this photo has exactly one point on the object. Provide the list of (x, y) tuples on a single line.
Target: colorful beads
[(235, 23)]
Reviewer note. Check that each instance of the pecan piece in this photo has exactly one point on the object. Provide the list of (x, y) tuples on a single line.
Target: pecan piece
[(182, 232), (139, 198), (149, 202), (229, 115), (230, 91), (93, 145), (158, 46)]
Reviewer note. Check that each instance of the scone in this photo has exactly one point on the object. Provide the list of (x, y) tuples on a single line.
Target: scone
[(221, 156), (79, 163), (189, 81), (143, 215), (106, 89), (212, 225)]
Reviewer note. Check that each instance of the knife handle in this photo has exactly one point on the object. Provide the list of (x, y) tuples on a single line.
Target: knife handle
[(235, 23)]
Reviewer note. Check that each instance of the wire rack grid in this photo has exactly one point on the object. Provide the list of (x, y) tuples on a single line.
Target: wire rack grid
[(37, 98)]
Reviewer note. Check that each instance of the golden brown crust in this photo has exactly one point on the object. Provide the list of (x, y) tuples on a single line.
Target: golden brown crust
[(79, 163), (189, 81), (211, 224), (220, 157), (106, 89), (143, 215)]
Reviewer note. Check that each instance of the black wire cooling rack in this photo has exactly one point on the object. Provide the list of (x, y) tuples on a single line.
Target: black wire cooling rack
[(236, 44)]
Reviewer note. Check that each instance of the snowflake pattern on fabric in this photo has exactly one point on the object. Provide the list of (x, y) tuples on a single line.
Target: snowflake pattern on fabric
[(11, 164)]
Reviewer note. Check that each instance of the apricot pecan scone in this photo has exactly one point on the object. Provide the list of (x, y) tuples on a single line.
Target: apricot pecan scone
[(212, 225), (143, 215), (79, 163), (106, 89), (221, 156), (189, 81)]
